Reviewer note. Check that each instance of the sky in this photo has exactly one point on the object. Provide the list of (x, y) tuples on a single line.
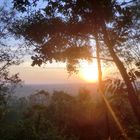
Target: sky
[(56, 73), (51, 74), (40, 75)]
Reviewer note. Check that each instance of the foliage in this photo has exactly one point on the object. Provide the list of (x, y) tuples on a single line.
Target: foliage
[(70, 24), (8, 58), (68, 117), (66, 28), (63, 31)]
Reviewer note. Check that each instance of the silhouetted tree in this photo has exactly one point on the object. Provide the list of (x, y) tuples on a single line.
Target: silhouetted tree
[(8, 58), (62, 30)]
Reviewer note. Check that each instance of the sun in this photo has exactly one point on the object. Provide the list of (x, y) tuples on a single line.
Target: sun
[(89, 72)]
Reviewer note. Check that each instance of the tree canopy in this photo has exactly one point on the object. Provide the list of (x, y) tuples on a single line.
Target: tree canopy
[(62, 31)]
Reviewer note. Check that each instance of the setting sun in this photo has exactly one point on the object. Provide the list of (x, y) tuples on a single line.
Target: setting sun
[(89, 72)]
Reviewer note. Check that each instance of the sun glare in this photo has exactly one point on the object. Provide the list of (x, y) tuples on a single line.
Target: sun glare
[(89, 72)]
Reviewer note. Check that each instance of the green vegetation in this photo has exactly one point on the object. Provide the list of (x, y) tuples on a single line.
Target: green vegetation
[(61, 116)]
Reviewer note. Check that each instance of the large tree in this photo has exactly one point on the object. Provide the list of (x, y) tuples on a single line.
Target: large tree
[(62, 31)]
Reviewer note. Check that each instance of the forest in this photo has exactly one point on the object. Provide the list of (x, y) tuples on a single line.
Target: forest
[(69, 32)]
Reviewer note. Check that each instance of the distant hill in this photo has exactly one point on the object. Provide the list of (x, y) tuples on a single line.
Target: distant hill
[(73, 89)]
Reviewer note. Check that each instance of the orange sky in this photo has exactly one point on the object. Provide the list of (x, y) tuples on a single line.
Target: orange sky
[(46, 75), (40, 75)]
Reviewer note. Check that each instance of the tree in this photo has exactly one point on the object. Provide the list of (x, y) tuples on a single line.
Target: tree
[(66, 27), (8, 58)]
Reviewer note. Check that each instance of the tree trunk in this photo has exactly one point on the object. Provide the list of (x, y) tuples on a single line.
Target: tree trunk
[(133, 99), (98, 62), (100, 83)]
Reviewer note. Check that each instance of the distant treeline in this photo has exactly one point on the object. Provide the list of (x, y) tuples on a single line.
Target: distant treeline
[(61, 116)]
